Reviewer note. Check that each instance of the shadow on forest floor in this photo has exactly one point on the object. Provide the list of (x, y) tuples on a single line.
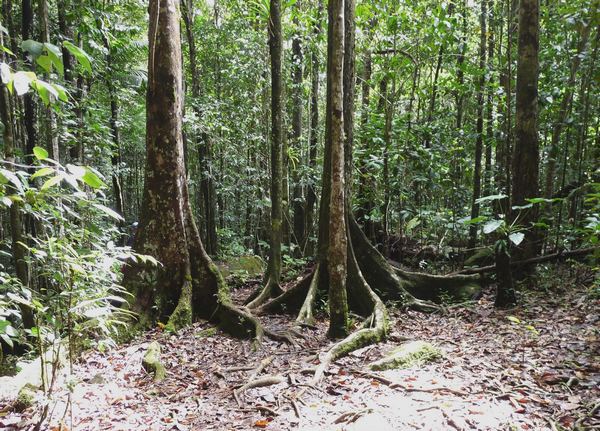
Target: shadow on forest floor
[(495, 374)]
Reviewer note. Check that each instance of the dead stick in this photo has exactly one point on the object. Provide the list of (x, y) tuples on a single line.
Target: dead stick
[(539, 259), (257, 383)]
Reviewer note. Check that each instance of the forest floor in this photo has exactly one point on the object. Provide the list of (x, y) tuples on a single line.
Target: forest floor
[(495, 375)]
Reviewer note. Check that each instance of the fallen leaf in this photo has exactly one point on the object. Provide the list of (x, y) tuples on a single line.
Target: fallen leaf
[(262, 423)]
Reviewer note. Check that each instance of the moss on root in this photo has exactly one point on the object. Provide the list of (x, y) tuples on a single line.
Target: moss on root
[(415, 353), (182, 315), (25, 398), (152, 363)]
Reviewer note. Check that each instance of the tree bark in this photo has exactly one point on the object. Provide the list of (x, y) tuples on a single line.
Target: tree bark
[(19, 252), (273, 274), (311, 195), (298, 204), (337, 241), (203, 141), (479, 127), (525, 172), (187, 284)]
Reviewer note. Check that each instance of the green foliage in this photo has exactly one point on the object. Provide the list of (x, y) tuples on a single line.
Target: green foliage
[(76, 263)]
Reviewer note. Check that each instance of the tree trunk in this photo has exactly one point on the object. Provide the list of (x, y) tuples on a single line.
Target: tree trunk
[(337, 242), (525, 172), (19, 251), (311, 195), (187, 284), (365, 267), (489, 133), (49, 117), (273, 274), (29, 118), (479, 127), (115, 158), (298, 204), (203, 142)]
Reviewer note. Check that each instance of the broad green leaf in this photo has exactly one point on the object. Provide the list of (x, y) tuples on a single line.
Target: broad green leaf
[(109, 212), (77, 171), (82, 57), (42, 173), (517, 237), (22, 81), (492, 226), (513, 319), (5, 73), (40, 153), (45, 62), (491, 198), (55, 55), (92, 180), (538, 200), (33, 47), (45, 91), (62, 92), (52, 182), (6, 201), (475, 220), (7, 176)]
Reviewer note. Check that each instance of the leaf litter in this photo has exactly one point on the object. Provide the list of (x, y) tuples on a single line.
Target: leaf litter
[(495, 374)]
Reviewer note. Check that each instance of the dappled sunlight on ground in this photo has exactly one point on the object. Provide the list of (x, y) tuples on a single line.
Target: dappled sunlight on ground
[(493, 375)]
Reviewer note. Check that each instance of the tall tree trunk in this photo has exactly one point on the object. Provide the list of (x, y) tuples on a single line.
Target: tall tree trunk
[(479, 127), (273, 274), (365, 203), (49, 119), (337, 241), (311, 195), (187, 284), (29, 117), (298, 204), (19, 251), (489, 134), (525, 173), (204, 141), (115, 158)]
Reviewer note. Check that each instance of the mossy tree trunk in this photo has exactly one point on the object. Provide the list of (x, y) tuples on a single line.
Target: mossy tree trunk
[(186, 285)]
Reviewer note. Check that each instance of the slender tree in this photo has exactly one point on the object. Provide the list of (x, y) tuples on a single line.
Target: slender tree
[(273, 274), (479, 127), (525, 164)]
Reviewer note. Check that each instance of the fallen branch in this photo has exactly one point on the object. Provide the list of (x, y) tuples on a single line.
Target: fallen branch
[(352, 416), (258, 383), (534, 260)]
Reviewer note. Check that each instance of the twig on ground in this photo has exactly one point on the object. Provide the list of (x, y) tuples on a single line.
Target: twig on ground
[(350, 417), (395, 385), (257, 383)]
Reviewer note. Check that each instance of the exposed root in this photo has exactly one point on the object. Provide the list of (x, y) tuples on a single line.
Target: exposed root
[(289, 301), (374, 327), (257, 383), (306, 314), (270, 290)]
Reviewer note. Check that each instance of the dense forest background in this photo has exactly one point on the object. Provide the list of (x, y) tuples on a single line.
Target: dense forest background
[(367, 152)]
